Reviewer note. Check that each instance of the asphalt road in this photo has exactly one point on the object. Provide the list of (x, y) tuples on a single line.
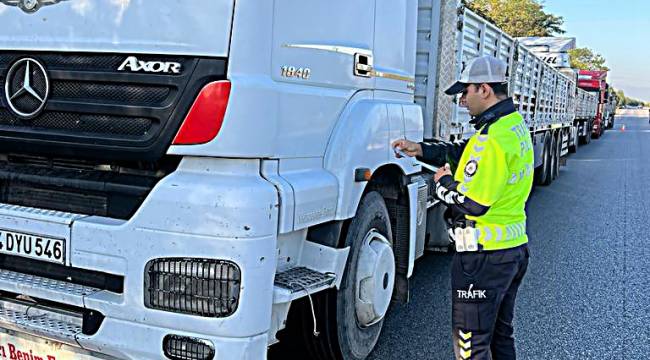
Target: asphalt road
[(586, 294)]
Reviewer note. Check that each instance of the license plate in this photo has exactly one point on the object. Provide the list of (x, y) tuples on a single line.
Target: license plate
[(22, 346), (32, 246)]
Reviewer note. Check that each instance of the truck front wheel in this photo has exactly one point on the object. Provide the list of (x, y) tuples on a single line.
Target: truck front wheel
[(368, 281), (350, 319)]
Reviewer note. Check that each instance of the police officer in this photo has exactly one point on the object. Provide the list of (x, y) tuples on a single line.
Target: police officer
[(485, 198)]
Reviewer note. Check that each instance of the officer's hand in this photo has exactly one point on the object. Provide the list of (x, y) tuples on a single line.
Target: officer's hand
[(410, 148), (442, 171)]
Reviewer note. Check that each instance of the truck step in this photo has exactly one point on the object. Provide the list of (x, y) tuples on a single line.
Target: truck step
[(303, 279), (300, 281), (36, 320)]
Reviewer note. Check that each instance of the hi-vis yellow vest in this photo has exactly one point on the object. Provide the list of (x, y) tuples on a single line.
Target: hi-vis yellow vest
[(496, 170)]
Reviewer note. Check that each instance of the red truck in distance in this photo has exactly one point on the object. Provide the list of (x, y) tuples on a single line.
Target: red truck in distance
[(596, 81)]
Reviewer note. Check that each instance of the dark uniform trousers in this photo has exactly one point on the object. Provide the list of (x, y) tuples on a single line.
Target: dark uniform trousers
[(484, 286)]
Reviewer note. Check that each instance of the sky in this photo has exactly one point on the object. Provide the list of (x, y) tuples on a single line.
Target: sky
[(618, 30)]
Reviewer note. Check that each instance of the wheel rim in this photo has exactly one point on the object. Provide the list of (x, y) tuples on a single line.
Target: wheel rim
[(375, 278)]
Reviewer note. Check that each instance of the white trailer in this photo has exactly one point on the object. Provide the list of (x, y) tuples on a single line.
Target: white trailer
[(586, 108), (184, 181), (554, 51)]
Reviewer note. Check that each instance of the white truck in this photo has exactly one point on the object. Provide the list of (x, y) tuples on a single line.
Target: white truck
[(177, 177)]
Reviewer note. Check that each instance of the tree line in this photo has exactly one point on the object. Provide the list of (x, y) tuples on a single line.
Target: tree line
[(623, 100)]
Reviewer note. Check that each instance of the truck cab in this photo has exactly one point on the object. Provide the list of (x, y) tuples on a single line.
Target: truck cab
[(595, 81)]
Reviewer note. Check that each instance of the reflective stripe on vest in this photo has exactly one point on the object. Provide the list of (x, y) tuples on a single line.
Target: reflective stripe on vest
[(497, 233)]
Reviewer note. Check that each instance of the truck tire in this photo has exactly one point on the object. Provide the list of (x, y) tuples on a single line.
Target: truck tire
[(350, 319), (576, 143), (558, 155), (550, 165), (543, 172), (584, 140), (596, 135), (588, 136), (553, 157)]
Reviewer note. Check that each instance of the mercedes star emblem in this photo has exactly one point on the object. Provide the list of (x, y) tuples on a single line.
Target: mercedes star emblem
[(27, 88)]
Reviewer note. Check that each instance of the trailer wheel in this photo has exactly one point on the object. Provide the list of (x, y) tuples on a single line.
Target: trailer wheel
[(553, 157), (596, 135), (550, 165), (587, 138), (576, 142), (543, 172), (558, 155), (350, 319)]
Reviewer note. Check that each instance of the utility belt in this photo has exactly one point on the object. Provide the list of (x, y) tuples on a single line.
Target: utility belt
[(464, 235)]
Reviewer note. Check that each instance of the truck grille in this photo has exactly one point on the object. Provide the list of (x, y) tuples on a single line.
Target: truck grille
[(140, 95), (98, 144), (95, 111), (78, 187), (88, 124)]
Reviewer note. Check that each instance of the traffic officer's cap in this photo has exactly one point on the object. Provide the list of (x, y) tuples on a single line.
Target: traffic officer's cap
[(481, 70)]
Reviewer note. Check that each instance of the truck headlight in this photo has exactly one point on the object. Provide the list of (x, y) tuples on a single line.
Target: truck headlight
[(204, 287)]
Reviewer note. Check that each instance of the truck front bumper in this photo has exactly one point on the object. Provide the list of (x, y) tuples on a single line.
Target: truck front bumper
[(208, 209), (146, 342)]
